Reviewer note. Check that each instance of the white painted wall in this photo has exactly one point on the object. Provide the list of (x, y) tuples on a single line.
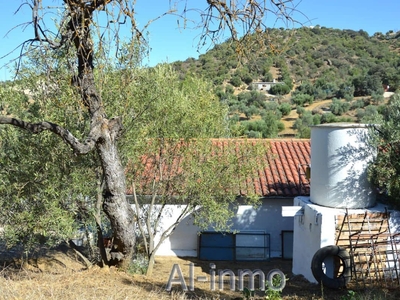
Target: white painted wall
[(340, 154), (394, 221), (183, 241), (267, 217), (312, 231)]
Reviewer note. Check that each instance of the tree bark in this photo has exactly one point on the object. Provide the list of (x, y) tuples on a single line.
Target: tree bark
[(150, 266), (115, 204)]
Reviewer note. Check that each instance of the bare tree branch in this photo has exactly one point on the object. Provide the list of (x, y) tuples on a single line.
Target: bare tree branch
[(239, 19), (68, 137)]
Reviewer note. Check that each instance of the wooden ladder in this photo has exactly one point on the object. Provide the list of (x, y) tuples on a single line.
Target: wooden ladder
[(373, 249)]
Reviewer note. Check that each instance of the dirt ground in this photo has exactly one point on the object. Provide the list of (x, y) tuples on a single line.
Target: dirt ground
[(297, 287), (61, 275)]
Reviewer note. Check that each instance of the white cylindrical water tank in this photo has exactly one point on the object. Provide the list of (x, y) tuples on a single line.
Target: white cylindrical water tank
[(340, 153)]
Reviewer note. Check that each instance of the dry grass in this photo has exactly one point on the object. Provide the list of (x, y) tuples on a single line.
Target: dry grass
[(95, 283), (62, 276)]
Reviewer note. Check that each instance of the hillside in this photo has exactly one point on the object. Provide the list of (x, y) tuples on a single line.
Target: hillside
[(346, 68)]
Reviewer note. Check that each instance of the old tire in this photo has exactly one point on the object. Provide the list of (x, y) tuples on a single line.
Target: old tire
[(342, 256)]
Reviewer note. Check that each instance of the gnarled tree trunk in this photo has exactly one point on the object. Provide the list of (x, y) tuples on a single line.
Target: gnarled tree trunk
[(106, 132)]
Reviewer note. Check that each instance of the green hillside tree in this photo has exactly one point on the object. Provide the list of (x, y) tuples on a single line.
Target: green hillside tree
[(384, 172), (74, 35)]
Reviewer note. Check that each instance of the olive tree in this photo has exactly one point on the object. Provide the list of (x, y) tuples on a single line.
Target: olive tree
[(384, 171), (174, 155), (83, 31)]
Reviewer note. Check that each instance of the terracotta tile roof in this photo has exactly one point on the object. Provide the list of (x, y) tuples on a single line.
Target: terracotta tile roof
[(284, 174), (282, 167)]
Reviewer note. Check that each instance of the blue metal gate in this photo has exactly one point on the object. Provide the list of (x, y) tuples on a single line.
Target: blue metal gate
[(254, 245)]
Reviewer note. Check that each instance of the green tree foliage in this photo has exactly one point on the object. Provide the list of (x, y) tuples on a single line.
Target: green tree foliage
[(300, 110), (339, 107), (285, 108), (268, 127), (317, 119), (267, 76), (279, 89), (253, 98), (250, 103), (302, 99), (163, 106), (325, 88), (377, 97), (370, 115), (384, 172), (359, 103), (304, 132), (47, 193), (244, 75), (328, 118), (250, 111), (304, 123), (236, 81), (367, 85), (305, 88), (229, 89)]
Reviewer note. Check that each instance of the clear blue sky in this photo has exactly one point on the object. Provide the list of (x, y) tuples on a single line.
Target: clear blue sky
[(169, 44)]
